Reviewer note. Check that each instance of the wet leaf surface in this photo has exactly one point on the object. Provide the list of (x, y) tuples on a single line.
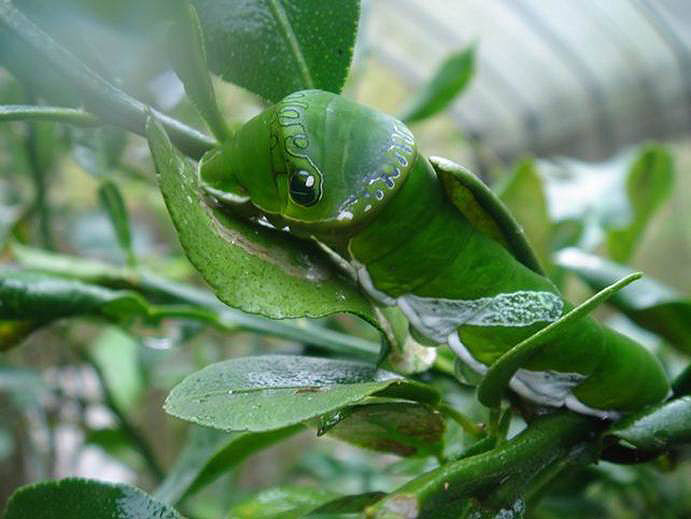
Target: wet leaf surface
[(274, 391), (83, 498)]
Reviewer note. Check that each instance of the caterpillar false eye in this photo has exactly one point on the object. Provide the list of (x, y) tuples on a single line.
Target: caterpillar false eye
[(431, 239), (303, 188)]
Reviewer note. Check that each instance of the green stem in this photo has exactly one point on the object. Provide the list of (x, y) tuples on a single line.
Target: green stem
[(102, 98), (507, 471), (137, 440), (47, 113)]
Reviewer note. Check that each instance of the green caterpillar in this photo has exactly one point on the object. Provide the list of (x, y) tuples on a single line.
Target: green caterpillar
[(325, 168)]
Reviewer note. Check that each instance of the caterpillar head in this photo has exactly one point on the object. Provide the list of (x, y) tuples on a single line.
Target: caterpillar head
[(316, 162)]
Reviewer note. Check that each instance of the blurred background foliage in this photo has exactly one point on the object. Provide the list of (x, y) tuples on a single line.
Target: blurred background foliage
[(578, 115)]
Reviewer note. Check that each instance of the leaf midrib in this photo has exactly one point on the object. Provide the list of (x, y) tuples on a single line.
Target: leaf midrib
[(289, 34)]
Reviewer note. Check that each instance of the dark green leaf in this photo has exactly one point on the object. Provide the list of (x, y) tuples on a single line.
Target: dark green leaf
[(289, 502), (406, 429), (648, 184), (83, 498), (446, 84), (657, 428), (168, 291), (274, 391), (187, 53), (648, 303), (112, 201), (256, 269), (45, 298), (209, 453), (275, 47)]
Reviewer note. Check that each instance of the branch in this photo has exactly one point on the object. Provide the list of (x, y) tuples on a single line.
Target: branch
[(47, 113), (102, 98), (492, 479)]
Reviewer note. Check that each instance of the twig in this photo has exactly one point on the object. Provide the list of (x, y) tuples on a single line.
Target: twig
[(102, 98)]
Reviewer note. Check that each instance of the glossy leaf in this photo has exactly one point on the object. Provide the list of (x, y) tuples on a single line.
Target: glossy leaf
[(498, 375), (76, 498), (524, 196), (32, 299), (289, 502), (275, 47), (169, 291), (208, 454), (449, 81), (655, 429), (188, 55), (648, 184), (406, 429), (648, 303), (274, 391), (255, 269)]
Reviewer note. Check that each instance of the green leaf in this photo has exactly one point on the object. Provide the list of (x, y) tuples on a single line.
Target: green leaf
[(168, 291), (208, 454), (187, 53), (449, 81), (658, 428), (499, 374), (44, 298), (116, 356), (255, 269), (274, 391), (648, 184), (112, 201), (77, 498), (403, 428), (648, 303), (524, 195), (289, 502), (275, 47)]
